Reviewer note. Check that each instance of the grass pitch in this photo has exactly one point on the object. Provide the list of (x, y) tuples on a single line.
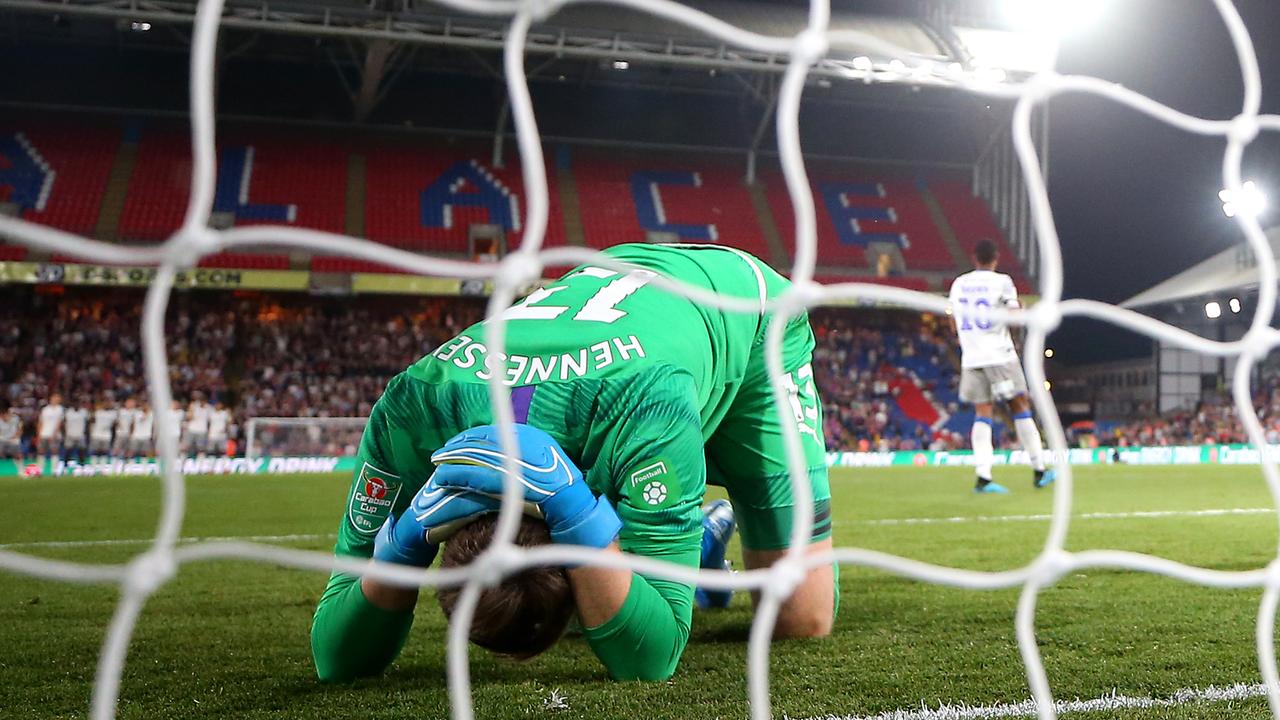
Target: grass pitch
[(230, 639)]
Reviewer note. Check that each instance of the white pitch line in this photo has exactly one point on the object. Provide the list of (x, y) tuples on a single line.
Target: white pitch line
[(148, 541), (883, 521), (1027, 708), (1082, 516)]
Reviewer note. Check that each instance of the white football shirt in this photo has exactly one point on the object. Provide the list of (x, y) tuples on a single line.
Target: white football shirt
[(10, 428), (142, 424), (50, 420), (984, 341), (124, 421), (76, 419), (103, 420), (198, 418), (218, 421)]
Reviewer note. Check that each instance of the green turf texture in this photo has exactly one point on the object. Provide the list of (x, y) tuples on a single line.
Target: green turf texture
[(229, 639)]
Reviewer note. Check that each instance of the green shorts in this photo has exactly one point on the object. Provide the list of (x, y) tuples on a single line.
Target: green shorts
[(746, 454)]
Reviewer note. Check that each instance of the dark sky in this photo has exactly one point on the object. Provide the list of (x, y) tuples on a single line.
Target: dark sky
[(1135, 199)]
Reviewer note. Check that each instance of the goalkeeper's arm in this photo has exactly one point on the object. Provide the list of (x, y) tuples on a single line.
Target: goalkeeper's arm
[(642, 632), (358, 632)]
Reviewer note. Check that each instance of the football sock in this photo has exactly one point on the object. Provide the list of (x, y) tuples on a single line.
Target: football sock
[(1029, 438), (983, 453)]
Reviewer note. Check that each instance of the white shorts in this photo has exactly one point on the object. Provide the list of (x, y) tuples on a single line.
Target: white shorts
[(10, 448), (99, 444), (990, 384)]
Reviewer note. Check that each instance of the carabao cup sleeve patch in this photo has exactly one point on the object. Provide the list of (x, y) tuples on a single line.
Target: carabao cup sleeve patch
[(653, 484), (372, 498)]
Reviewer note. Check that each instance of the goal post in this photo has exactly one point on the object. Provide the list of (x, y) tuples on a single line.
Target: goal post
[(302, 436)]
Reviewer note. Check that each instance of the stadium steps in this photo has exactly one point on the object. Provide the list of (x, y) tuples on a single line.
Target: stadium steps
[(570, 208), (947, 232), (355, 198), (768, 225), (108, 225)]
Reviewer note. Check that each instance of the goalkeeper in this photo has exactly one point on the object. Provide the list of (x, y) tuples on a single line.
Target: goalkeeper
[(653, 397)]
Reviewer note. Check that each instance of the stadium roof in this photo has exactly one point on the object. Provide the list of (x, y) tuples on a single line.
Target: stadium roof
[(588, 31), (1231, 270)]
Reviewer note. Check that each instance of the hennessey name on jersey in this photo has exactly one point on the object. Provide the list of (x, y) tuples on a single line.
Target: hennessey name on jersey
[(465, 352)]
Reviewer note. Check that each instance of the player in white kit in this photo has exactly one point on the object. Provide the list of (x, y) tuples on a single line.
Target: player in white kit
[(104, 420), (177, 422), (196, 441), (74, 424), (989, 367), (140, 436), (10, 435), (124, 428), (49, 428), (219, 419)]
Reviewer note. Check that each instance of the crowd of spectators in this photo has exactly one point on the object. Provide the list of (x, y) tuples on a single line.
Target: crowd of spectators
[(298, 356), (855, 366), (285, 356), (1214, 421)]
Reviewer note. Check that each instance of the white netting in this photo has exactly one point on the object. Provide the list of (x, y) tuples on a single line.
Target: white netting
[(149, 570)]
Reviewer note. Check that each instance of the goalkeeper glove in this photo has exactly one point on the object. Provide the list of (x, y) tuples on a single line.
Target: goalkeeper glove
[(473, 460), (434, 515)]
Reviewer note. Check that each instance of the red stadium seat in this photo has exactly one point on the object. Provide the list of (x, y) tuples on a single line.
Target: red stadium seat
[(13, 253), (925, 248), (397, 176), (906, 282), (971, 220), (325, 263), (80, 158), (715, 198), (309, 175), (246, 261)]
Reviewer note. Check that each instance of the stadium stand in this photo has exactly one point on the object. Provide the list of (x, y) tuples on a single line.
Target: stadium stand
[(246, 261), (425, 197), (55, 173), (13, 253), (887, 379), (701, 200), (900, 281), (262, 179), (328, 264), (855, 210), (971, 220)]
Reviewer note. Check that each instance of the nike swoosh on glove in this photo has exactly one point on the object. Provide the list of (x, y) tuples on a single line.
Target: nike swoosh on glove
[(473, 460)]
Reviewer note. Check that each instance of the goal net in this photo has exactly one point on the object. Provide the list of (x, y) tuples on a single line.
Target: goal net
[(162, 560), (281, 436)]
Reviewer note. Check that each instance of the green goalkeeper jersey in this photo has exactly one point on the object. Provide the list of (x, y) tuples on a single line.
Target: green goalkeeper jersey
[(629, 378)]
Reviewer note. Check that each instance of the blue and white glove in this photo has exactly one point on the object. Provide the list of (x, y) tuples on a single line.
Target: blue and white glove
[(434, 515), (473, 460)]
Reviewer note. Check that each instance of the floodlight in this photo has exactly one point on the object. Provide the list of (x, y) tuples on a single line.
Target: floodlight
[(1048, 352), (621, 64), (139, 26), (1250, 201), (1057, 17), (1212, 310), (862, 62), (1048, 385), (1235, 305)]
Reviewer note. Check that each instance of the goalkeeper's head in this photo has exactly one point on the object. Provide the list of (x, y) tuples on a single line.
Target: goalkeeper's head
[(527, 612)]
